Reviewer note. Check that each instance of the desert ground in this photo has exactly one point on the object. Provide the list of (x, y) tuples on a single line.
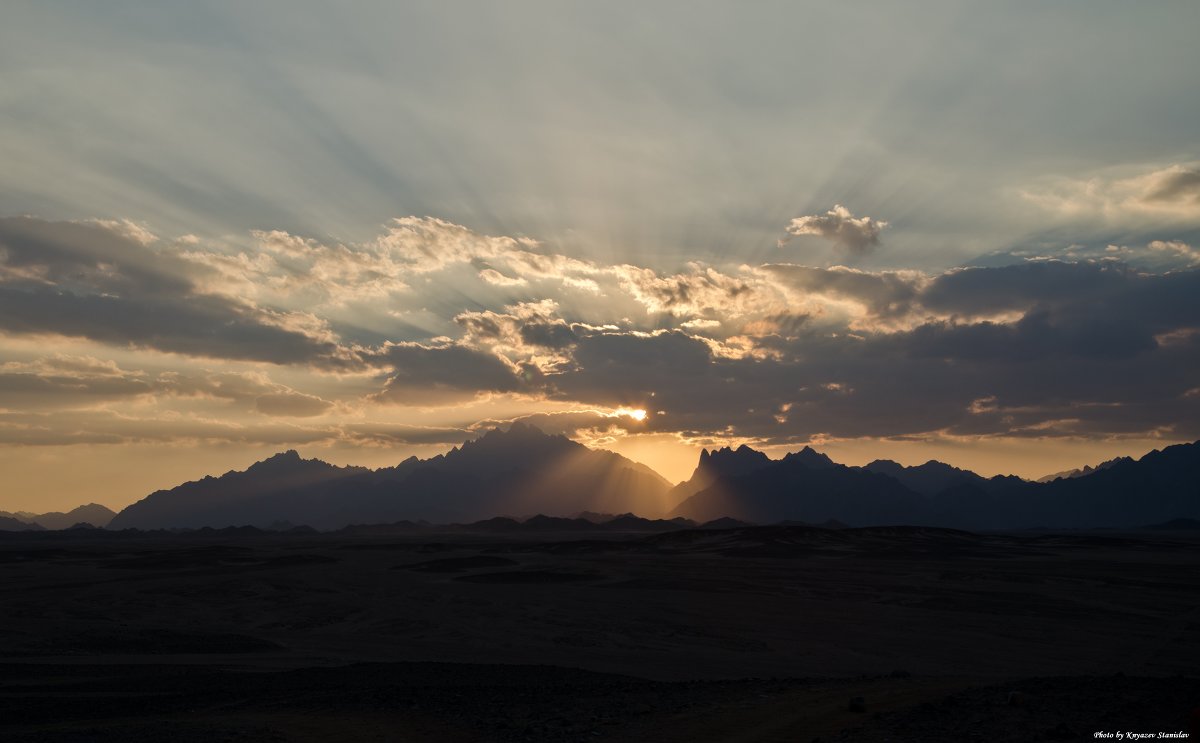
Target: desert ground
[(766, 633)]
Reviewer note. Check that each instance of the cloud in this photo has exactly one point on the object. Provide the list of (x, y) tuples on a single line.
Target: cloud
[(433, 375), (492, 276), (700, 291), (65, 382), (980, 292), (857, 236), (1177, 249), (572, 423), (1171, 193), (884, 294), (1177, 184), (388, 435), (88, 281), (296, 404), (774, 353), (527, 334), (426, 244), (59, 428), (1086, 349)]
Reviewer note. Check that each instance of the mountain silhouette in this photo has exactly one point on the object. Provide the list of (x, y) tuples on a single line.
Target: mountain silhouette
[(9, 523), (93, 513), (271, 490), (521, 471), (810, 458), (804, 486), (517, 471), (1084, 470), (717, 464), (1163, 485), (1159, 487), (928, 479)]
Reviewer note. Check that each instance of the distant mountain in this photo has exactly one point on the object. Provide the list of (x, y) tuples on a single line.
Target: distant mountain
[(930, 478), (259, 495), (1161, 486), (8, 523), (523, 471), (513, 472), (810, 458), (1084, 470), (93, 513)]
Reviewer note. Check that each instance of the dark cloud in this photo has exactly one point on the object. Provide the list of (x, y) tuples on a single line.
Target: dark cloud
[(438, 375), (974, 292), (1095, 350), (86, 257), (548, 335), (90, 281), (197, 325), (624, 369), (1180, 184)]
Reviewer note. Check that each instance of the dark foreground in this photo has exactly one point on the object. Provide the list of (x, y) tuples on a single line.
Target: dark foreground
[(748, 634)]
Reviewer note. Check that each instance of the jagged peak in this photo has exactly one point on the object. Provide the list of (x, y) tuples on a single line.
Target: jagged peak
[(285, 460), (934, 463), (810, 456)]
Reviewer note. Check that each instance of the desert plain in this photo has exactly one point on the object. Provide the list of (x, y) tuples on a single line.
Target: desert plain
[(784, 633)]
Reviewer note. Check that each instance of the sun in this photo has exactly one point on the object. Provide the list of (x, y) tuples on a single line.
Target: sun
[(636, 413)]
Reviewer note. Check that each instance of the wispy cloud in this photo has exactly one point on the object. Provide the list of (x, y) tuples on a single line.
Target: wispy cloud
[(1169, 193)]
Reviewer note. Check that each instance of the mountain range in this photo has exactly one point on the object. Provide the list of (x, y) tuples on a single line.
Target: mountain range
[(93, 514), (521, 471), (808, 487), (503, 473), (1083, 471)]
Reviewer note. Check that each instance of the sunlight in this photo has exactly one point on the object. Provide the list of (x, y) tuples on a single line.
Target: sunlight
[(636, 413)]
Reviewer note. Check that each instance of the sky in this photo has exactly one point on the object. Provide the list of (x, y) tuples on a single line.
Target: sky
[(365, 230)]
